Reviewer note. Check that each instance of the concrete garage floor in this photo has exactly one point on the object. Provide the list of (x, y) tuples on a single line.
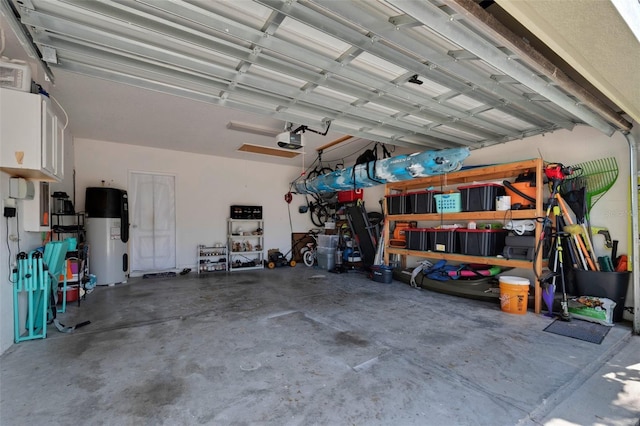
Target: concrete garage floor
[(299, 346)]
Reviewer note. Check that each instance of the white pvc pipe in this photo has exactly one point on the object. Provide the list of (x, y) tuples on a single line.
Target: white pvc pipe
[(635, 232)]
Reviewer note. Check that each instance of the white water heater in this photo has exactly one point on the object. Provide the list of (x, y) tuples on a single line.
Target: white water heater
[(107, 225)]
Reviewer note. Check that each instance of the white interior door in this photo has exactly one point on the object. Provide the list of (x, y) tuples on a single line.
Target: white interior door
[(153, 222)]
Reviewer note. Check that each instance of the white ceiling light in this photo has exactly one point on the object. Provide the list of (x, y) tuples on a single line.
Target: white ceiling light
[(253, 128)]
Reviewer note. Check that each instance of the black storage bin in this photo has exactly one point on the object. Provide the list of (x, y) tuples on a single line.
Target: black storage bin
[(423, 201), (612, 285), (417, 238), (481, 242), (481, 197), (442, 240), (398, 204)]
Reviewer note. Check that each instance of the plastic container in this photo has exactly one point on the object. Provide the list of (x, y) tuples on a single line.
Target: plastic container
[(350, 196), (382, 274), (423, 201), (417, 238), (448, 203), (514, 294), (503, 203), (612, 285), (476, 198), (73, 292), (442, 240), (481, 242), (398, 204), (326, 258), (330, 241)]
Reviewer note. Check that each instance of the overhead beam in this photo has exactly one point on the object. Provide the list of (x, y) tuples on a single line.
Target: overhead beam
[(439, 22), (526, 53), (334, 143)]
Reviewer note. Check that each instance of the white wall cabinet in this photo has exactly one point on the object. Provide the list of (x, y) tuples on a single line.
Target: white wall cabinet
[(31, 136)]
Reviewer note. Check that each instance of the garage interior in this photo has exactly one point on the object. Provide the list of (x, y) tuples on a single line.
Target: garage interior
[(199, 91)]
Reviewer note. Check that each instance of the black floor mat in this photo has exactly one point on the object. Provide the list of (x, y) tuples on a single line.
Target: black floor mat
[(160, 275), (581, 330)]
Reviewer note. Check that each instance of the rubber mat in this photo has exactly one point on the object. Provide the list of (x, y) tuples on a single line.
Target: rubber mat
[(581, 330), (160, 275)]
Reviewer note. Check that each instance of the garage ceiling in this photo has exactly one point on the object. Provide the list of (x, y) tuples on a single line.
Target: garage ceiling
[(421, 74)]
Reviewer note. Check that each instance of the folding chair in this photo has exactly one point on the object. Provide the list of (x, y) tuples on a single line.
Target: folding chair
[(30, 279), (55, 254)]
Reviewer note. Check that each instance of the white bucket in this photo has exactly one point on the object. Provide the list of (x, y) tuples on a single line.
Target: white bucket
[(503, 202)]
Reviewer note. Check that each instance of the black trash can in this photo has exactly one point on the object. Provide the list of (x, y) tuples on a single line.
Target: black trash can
[(612, 285)]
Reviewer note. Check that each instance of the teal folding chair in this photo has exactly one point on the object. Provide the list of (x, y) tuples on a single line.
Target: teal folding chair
[(55, 254), (30, 279)]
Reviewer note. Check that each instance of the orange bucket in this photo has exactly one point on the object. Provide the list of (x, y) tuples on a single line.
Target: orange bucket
[(514, 294)]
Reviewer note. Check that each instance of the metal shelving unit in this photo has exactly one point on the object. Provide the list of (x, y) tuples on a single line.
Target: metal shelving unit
[(245, 244), (211, 258)]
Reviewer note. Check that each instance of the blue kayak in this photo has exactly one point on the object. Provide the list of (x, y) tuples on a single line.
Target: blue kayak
[(393, 169)]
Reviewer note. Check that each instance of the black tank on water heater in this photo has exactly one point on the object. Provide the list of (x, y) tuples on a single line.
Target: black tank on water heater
[(107, 211)]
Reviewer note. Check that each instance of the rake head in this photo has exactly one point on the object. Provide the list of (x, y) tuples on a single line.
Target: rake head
[(597, 176)]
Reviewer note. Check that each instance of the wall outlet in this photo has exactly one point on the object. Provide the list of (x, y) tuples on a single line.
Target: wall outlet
[(13, 237)]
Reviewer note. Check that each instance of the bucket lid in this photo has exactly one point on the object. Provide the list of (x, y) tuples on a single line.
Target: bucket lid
[(426, 191), (480, 185), (482, 231), (513, 280)]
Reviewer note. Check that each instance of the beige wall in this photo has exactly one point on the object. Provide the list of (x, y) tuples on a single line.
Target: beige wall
[(580, 145), (205, 188)]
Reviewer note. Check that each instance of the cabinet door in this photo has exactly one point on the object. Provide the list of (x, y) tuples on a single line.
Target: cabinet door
[(49, 136), (20, 130)]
